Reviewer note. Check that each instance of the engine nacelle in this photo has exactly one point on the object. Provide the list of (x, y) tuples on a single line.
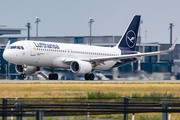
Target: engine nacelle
[(80, 67), (27, 70)]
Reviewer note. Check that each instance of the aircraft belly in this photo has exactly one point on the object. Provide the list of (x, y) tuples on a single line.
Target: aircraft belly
[(106, 65), (38, 61), (44, 61)]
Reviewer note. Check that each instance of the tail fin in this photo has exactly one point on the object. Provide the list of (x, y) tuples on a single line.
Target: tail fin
[(129, 38)]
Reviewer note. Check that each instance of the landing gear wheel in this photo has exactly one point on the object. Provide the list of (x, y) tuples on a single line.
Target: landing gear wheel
[(91, 76), (55, 76), (23, 76), (50, 76), (86, 76)]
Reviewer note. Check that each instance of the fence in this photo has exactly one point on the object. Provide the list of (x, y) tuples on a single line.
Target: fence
[(40, 107)]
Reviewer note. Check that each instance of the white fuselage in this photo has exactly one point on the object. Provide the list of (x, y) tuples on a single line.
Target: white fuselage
[(53, 55)]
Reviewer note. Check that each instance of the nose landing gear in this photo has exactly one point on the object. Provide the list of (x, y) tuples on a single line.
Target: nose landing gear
[(89, 76), (23, 75)]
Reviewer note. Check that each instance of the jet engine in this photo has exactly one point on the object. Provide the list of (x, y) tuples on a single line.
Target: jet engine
[(27, 69), (80, 67)]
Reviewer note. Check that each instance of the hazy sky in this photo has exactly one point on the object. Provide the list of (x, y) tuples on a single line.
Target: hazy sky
[(71, 17)]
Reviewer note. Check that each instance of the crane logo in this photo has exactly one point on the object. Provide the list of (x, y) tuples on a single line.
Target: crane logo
[(130, 38)]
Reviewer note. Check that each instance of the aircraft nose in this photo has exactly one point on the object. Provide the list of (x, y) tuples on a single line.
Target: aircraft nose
[(6, 55)]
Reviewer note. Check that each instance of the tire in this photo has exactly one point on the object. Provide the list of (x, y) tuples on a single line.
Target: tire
[(50, 76), (55, 76), (91, 76), (23, 76), (86, 76)]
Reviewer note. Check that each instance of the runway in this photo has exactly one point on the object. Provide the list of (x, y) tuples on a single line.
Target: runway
[(94, 81)]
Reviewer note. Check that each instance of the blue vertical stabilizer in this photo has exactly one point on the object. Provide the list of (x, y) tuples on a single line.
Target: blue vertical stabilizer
[(129, 38)]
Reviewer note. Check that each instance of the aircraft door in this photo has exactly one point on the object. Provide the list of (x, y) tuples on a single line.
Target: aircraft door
[(32, 49), (69, 51)]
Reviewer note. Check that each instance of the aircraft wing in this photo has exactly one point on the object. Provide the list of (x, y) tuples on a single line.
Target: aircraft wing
[(139, 55)]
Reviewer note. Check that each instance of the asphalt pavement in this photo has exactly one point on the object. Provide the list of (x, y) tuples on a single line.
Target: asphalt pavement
[(89, 81)]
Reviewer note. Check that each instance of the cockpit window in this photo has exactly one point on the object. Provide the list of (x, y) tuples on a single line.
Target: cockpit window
[(13, 47), (22, 47), (17, 47)]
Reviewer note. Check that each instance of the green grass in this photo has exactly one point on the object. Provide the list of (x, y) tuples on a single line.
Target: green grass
[(89, 90), (100, 95), (145, 117), (154, 95)]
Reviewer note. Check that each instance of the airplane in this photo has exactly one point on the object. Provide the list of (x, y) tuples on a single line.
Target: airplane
[(30, 55)]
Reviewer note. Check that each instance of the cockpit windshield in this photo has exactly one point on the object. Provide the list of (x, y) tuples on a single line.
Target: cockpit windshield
[(13, 47), (17, 47), (22, 47)]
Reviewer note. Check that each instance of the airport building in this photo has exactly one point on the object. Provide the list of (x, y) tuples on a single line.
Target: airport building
[(150, 64)]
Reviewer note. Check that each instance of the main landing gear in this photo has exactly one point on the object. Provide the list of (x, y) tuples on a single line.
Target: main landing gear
[(89, 76), (53, 76)]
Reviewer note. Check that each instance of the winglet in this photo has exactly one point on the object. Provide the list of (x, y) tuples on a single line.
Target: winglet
[(173, 46)]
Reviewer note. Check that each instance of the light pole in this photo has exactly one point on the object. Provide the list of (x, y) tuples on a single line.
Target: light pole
[(37, 21), (171, 25), (139, 61), (28, 26), (141, 22), (90, 23)]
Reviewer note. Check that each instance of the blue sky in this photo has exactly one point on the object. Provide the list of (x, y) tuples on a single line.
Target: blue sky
[(70, 17)]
